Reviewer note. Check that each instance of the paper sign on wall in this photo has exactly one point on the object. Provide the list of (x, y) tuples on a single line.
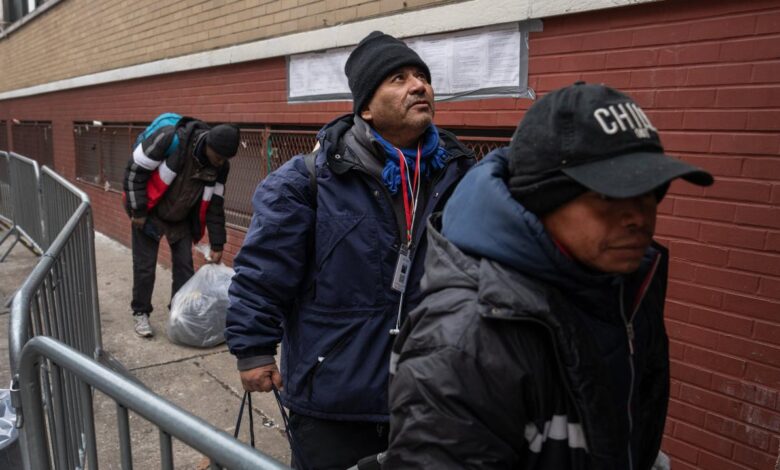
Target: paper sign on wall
[(476, 63)]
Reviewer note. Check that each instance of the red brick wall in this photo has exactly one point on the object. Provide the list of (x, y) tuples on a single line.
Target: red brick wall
[(708, 75), (243, 93)]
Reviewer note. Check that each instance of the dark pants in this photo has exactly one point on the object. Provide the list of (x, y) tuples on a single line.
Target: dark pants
[(145, 250), (335, 445)]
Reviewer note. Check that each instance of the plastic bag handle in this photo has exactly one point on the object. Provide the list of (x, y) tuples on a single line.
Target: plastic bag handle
[(247, 399), (293, 443)]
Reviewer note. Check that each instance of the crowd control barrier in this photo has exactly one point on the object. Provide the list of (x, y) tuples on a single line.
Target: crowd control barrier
[(222, 449), (25, 206), (56, 313)]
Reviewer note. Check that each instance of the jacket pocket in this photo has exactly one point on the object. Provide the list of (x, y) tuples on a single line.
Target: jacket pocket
[(319, 335), (340, 361), (326, 356), (348, 261)]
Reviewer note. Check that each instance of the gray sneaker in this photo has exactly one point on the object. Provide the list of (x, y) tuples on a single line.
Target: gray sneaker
[(142, 326)]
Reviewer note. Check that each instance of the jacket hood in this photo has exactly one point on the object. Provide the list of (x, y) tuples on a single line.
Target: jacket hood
[(331, 134), (482, 219)]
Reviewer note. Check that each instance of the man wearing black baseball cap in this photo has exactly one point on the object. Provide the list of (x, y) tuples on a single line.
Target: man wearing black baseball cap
[(541, 342), (332, 261)]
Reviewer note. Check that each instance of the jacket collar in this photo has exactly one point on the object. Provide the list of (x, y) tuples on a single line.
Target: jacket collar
[(331, 138)]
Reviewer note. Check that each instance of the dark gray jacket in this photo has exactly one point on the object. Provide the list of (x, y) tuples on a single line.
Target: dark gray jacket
[(521, 359)]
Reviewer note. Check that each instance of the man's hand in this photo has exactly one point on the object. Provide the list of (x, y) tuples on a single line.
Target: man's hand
[(138, 222), (215, 257), (261, 378)]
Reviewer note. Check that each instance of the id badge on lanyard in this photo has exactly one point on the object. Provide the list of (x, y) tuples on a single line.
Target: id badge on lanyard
[(410, 190), (402, 269)]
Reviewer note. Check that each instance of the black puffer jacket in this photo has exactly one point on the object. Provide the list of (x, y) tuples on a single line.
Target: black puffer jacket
[(519, 357), (169, 177)]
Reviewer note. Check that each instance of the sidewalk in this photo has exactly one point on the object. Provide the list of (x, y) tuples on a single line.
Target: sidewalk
[(202, 381)]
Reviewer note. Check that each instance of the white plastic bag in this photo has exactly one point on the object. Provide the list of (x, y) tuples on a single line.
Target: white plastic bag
[(662, 462), (198, 310), (8, 431), (10, 451)]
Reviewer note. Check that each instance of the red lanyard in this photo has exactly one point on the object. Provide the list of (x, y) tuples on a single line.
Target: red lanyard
[(410, 200)]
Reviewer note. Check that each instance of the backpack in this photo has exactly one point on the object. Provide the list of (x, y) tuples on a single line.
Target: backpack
[(164, 119)]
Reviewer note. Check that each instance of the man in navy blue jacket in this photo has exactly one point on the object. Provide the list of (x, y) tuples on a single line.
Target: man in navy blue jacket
[(330, 270)]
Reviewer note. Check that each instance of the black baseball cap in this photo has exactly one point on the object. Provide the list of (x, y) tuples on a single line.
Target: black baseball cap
[(598, 137)]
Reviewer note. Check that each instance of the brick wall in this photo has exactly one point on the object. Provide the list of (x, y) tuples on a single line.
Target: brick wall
[(708, 75), (79, 37), (252, 92)]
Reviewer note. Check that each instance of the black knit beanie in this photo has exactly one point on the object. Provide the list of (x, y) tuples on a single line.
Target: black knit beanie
[(224, 139), (376, 57)]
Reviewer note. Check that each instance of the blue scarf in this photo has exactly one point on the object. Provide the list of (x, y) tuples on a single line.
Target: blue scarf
[(431, 158)]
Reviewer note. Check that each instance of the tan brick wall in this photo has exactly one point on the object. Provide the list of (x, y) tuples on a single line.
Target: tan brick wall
[(79, 37)]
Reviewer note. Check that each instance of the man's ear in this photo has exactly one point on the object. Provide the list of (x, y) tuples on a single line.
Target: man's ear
[(366, 114)]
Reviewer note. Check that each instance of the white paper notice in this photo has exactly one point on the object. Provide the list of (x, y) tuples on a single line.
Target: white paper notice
[(461, 63), (318, 74)]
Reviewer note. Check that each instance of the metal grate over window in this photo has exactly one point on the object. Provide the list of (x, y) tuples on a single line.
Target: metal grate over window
[(33, 139), (261, 152), (102, 153), (4, 136), (484, 145)]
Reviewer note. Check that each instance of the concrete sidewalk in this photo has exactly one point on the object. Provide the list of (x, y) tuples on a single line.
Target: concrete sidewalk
[(202, 381)]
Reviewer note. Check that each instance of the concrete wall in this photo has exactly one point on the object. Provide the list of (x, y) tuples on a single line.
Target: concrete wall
[(708, 75)]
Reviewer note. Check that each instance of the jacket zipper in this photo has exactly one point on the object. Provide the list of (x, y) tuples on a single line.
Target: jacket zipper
[(630, 335), (321, 359), (628, 322)]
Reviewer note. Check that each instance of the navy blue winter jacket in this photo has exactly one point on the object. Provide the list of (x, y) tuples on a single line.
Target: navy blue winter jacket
[(331, 309)]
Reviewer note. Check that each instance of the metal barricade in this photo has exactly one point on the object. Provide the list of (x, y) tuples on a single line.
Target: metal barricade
[(6, 206), (59, 299), (25, 199), (57, 304), (172, 421)]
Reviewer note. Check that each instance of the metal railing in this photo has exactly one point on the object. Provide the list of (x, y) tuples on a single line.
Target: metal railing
[(58, 304), (6, 207), (172, 421), (25, 206), (59, 298)]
